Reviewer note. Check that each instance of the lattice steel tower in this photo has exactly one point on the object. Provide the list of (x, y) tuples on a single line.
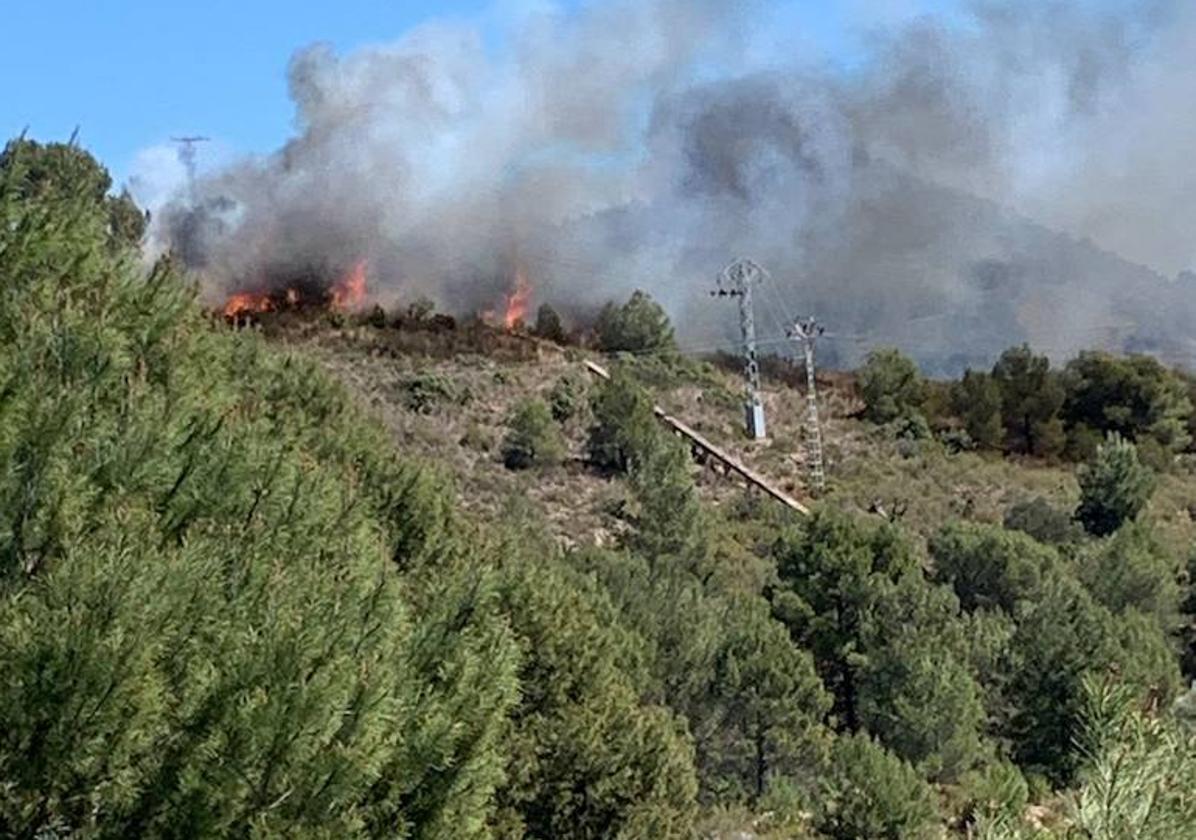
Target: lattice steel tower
[(737, 280), (188, 156), (806, 333)]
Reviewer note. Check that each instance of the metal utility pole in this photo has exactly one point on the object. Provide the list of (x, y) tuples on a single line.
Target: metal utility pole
[(187, 154), (806, 333), (737, 280)]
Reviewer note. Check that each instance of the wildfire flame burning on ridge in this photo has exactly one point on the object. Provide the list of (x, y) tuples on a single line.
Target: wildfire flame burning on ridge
[(243, 303), (518, 301), (350, 292)]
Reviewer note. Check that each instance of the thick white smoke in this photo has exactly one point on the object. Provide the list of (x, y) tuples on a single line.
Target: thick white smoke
[(644, 144)]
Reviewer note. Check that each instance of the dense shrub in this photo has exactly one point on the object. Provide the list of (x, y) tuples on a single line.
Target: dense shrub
[(988, 566), (424, 392), (567, 396), (1133, 570), (1044, 522), (624, 430)]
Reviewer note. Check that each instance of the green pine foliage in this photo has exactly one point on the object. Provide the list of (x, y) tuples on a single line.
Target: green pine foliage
[(533, 437), (548, 325), (1063, 636), (888, 643), (1114, 487), (1031, 396), (203, 615), (567, 397), (891, 387), (1134, 397), (976, 399), (1137, 778), (987, 566), (670, 522), (917, 692), (1044, 522), (1140, 773), (638, 326), (1134, 570), (589, 758), (228, 606), (624, 425), (869, 794)]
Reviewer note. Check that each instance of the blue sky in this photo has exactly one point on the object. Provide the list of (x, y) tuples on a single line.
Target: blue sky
[(132, 73)]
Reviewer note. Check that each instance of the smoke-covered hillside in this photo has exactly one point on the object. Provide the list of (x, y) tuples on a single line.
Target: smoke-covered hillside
[(645, 144)]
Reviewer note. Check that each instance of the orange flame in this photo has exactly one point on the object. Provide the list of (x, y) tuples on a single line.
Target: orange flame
[(518, 301), (350, 291), (247, 302)]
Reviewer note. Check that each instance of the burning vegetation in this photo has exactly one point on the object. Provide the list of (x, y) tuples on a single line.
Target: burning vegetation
[(349, 293), (515, 305)]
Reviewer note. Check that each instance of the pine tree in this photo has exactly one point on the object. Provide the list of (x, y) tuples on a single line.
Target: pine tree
[(204, 627), (886, 643), (624, 430), (989, 566), (891, 387), (638, 326), (1031, 396), (548, 325), (869, 794), (588, 758), (977, 400), (1114, 487)]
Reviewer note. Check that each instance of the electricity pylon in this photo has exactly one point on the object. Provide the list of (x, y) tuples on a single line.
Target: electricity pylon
[(737, 280), (187, 155), (806, 333)]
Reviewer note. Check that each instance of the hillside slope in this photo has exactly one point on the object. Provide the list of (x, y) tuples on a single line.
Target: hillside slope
[(449, 404)]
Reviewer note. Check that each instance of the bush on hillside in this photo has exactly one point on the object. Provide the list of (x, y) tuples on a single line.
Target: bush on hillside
[(1044, 522), (533, 438), (567, 397)]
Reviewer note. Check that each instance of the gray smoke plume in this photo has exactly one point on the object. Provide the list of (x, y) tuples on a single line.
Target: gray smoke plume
[(1018, 172)]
